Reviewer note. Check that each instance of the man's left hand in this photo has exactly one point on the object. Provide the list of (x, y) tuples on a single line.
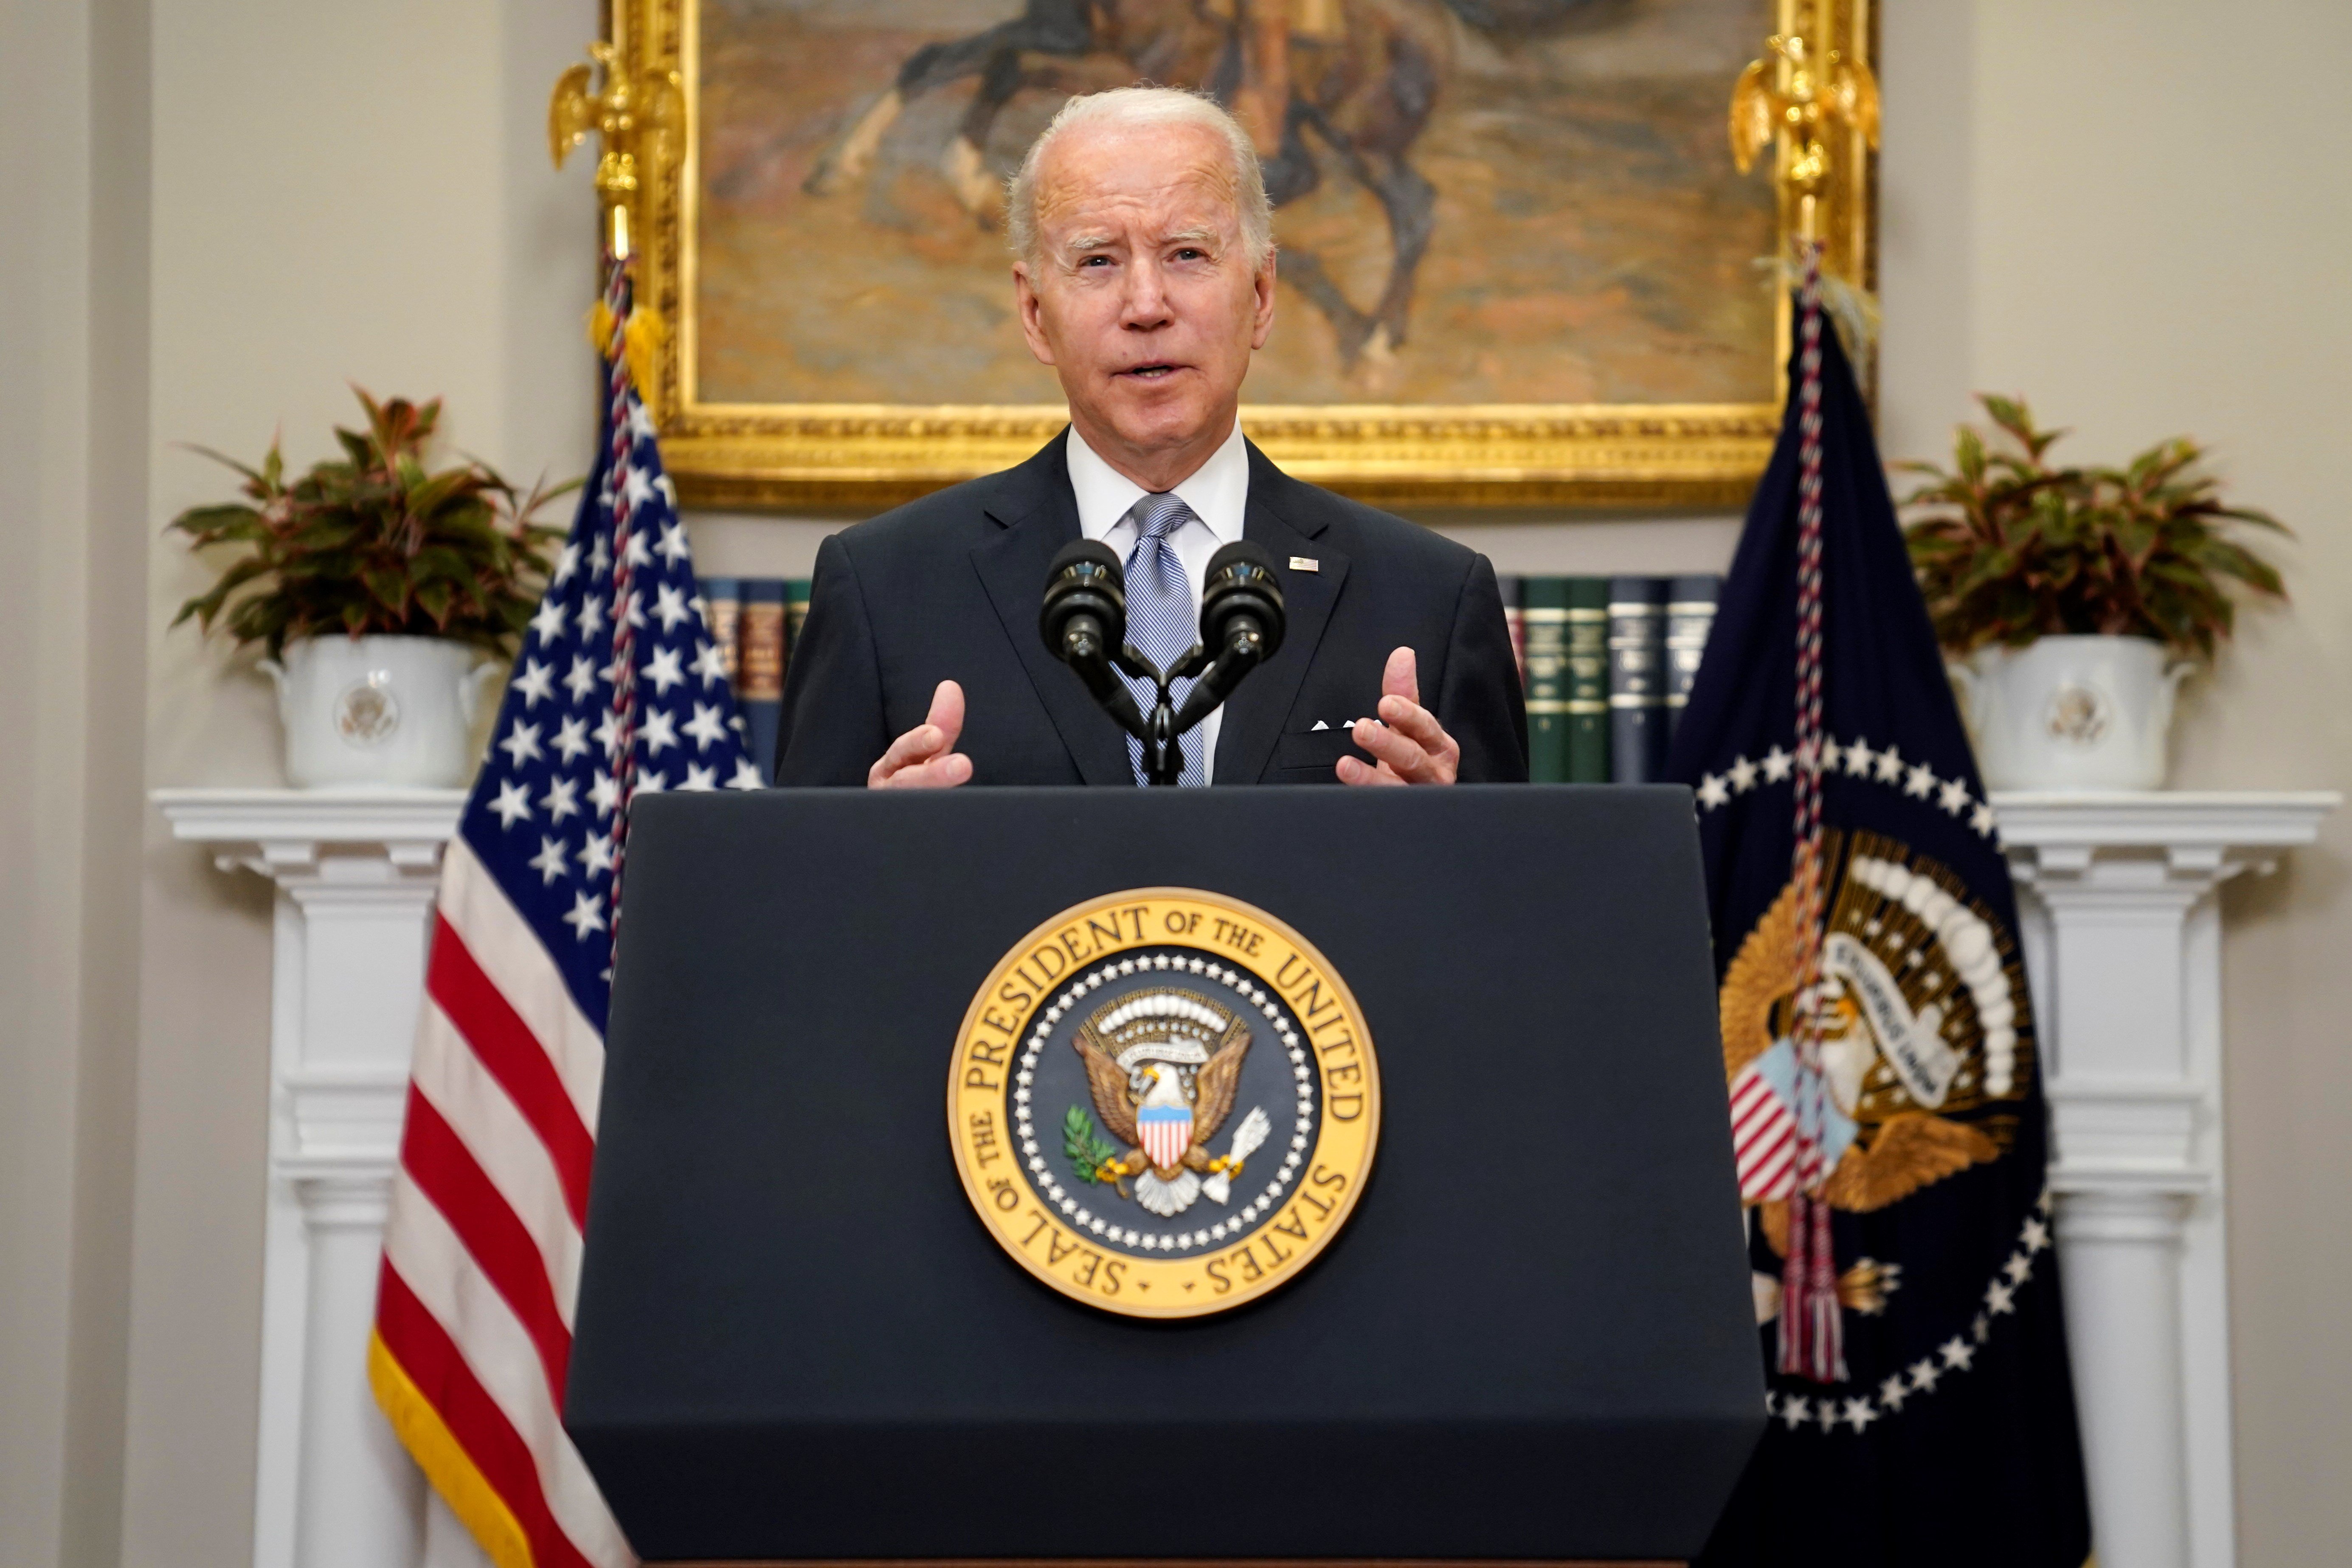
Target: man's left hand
[(1411, 746)]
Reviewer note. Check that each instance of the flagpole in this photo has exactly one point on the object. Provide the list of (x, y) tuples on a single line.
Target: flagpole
[(620, 437), (1789, 98), (1811, 1332), (633, 114)]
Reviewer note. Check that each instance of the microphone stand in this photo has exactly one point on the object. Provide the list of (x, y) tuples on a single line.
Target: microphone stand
[(1164, 729), (1084, 615)]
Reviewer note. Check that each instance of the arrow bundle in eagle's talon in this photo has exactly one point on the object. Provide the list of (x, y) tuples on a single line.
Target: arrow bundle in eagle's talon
[(1246, 1138)]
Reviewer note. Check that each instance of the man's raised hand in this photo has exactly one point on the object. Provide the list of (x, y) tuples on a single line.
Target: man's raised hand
[(1410, 745), (925, 757)]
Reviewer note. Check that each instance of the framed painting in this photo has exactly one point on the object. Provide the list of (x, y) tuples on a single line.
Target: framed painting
[(1517, 264)]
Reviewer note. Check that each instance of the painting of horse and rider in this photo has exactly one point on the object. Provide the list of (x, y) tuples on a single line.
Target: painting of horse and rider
[(1476, 201)]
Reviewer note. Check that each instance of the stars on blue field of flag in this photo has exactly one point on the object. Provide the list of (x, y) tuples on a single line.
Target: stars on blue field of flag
[(541, 818), (1855, 760)]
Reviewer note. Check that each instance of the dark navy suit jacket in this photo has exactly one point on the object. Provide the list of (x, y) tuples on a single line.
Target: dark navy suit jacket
[(947, 588)]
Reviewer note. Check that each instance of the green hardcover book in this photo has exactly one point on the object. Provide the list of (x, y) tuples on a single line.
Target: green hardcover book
[(1588, 681), (1544, 613)]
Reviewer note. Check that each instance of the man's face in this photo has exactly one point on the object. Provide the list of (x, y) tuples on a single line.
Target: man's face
[(1142, 297)]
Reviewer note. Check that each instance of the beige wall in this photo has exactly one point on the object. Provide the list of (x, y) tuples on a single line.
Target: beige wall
[(73, 438), (340, 193), (2137, 212), (2132, 212), (233, 208)]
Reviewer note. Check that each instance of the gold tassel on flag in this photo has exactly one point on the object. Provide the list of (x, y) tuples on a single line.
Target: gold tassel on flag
[(641, 339)]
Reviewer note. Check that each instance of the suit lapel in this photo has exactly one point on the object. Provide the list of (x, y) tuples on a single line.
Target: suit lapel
[(1036, 515), (1286, 517)]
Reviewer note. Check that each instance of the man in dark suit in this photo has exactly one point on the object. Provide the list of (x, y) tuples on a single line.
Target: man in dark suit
[(1146, 278)]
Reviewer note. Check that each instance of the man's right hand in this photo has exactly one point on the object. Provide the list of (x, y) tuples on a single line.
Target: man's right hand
[(925, 757)]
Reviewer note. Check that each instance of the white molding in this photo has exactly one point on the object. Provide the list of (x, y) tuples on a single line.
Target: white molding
[(2243, 821), (322, 816), (291, 832), (2122, 934), (355, 873)]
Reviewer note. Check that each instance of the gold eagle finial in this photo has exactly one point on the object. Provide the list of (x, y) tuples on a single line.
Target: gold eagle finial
[(637, 119), (1802, 89)]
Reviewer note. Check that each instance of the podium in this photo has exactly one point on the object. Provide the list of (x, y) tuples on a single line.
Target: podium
[(799, 1338)]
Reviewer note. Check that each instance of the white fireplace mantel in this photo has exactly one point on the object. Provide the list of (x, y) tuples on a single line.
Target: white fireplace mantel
[(2123, 945), (356, 876), (2122, 935)]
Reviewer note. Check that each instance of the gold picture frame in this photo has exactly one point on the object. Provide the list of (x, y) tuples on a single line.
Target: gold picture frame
[(862, 457)]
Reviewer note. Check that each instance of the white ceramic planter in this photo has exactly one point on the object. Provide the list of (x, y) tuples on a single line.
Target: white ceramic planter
[(372, 712), (2070, 712)]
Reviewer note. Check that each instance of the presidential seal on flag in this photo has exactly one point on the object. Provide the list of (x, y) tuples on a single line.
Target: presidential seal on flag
[(1163, 1103), (1924, 1034)]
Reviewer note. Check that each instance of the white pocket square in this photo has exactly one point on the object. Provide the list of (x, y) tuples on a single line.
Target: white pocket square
[(1320, 724)]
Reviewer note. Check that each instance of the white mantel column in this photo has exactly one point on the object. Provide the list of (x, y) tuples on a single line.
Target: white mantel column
[(2123, 940), (356, 876), (358, 1497)]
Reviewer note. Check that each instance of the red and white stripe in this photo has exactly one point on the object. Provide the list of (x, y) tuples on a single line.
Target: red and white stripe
[(481, 1263), (1763, 1137), (1165, 1141)]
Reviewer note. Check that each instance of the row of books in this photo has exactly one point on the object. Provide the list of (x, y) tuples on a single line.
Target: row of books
[(755, 621), (1607, 664)]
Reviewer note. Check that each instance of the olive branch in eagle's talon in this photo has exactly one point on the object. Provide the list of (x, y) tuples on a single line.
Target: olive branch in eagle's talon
[(1093, 1160)]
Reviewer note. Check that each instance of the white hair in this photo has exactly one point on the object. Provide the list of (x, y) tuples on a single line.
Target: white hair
[(1140, 106)]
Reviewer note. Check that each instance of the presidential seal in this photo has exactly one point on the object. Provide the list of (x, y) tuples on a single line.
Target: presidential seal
[(1926, 1047), (1163, 1103)]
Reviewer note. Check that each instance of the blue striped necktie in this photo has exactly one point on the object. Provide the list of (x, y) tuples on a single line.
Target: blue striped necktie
[(1160, 621)]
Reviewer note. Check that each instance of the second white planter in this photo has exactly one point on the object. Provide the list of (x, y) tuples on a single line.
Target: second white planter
[(370, 711), (2070, 712)]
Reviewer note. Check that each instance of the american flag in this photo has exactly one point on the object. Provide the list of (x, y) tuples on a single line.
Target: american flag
[(619, 691)]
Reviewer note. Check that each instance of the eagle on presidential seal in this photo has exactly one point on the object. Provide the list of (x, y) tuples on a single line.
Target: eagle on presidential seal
[(1162, 1068), (1923, 1034)]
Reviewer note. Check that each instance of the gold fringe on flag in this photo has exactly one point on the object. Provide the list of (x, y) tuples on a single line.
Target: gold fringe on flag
[(445, 1463)]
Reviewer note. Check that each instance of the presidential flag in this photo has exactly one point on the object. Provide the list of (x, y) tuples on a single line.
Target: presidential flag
[(1880, 1057), (619, 691)]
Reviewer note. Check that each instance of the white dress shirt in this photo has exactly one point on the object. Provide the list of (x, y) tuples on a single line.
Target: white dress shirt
[(1218, 493)]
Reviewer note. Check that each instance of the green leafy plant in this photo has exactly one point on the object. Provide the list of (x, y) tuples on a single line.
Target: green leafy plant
[(2016, 548), (371, 542), (1087, 1151)]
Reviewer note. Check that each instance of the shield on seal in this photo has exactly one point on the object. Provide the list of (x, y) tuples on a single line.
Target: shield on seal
[(1166, 1129), (1163, 1116)]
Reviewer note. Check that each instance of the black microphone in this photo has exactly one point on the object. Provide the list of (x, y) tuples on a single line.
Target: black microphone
[(1084, 623), (1242, 623)]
